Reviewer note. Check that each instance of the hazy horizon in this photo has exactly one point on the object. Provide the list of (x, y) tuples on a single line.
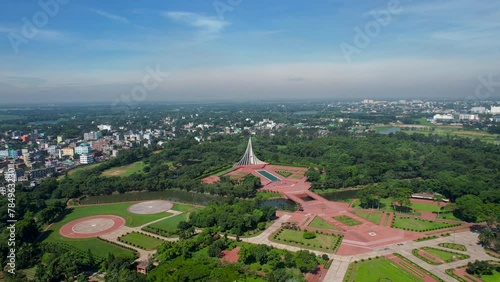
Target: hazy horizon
[(121, 51)]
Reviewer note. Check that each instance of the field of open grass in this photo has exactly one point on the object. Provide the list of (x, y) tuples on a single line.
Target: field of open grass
[(378, 270), (425, 207), (295, 238), (170, 224), (373, 217), (318, 222), (125, 170), (142, 241), (419, 225), (98, 247), (182, 207), (347, 220), (444, 255), (495, 277)]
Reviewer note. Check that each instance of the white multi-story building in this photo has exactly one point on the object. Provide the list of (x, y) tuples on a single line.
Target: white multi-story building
[(104, 127), (446, 117), (83, 149), (468, 117), (495, 110), (86, 159), (478, 110)]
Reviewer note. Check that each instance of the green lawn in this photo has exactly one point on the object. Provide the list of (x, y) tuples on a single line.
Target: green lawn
[(449, 216), (425, 207), (131, 219), (491, 278), (318, 222), (125, 170), (453, 246), (377, 269), (347, 220), (141, 240), (295, 237), (98, 247), (182, 207), (284, 173), (170, 224), (373, 217), (268, 195), (226, 171), (418, 225), (444, 255)]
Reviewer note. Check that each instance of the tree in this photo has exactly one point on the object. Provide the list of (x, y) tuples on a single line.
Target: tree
[(439, 199), (469, 208), (305, 261)]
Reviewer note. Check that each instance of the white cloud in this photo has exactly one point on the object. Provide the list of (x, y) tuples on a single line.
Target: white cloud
[(110, 16), (206, 24)]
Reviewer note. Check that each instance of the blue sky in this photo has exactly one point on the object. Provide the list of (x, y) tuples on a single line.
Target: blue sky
[(241, 49)]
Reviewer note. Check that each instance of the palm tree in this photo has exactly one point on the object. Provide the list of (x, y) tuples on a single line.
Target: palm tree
[(439, 199)]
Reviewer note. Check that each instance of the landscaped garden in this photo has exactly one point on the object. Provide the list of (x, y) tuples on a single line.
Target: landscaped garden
[(347, 220), (374, 217), (437, 256), (284, 173), (378, 269), (453, 246), (314, 241), (318, 222), (419, 225), (141, 241)]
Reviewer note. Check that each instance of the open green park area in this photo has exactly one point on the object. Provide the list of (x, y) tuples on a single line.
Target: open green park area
[(321, 242), (142, 241), (347, 220), (284, 173), (418, 225), (318, 222), (374, 217), (98, 247), (125, 170), (495, 277), (444, 255), (375, 270), (168, 226)]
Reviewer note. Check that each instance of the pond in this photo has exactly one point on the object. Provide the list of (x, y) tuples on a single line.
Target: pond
[(341, 195), (281, 204)]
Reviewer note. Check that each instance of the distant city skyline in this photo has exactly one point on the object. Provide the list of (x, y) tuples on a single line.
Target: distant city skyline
[(120, 52)]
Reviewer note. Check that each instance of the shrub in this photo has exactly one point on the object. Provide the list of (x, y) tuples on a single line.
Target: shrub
[(309, 235)]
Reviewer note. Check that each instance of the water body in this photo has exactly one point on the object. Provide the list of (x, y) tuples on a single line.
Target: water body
[(281, 204), (390, 130), (341, 195)]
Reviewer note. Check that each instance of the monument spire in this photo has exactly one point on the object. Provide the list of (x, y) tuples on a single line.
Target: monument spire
[(249, 157)]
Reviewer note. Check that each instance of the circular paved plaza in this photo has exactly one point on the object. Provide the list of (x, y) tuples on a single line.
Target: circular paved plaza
[(151, 207), (91, 226)]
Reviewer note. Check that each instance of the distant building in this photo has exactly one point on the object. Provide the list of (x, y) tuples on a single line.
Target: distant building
[(495, 110), (104, 127), (68, 152), (40, 173), (142, 267), (4, 154), (446, 117), (83, 148), (478, 110), (59, 139), (468, 117), (93, 135), (497, 119), (86, 159)]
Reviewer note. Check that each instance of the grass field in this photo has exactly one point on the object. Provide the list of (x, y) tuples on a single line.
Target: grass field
[(373, 217), (226, 171), (425, 207), (453, 246), (318, 222), (131, 219), (284, 173), (125, 170), (376, 270), (143, 241), (418, 225), (444, 255), (170, 224), (98, 247), (182, 207), (449, 216), (347, 220), (491, 278), (295, 238), (78, 169)]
